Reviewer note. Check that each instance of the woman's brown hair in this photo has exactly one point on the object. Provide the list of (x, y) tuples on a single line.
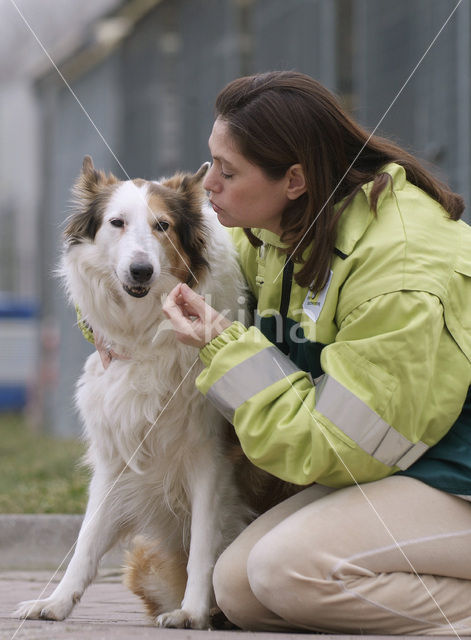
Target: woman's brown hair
[(281, 118)]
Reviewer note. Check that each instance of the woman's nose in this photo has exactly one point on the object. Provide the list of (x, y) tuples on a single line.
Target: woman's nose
[(210, 182)]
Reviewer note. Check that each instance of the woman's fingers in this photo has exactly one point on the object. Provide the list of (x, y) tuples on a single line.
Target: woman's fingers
[(177, 310), (194, 321), (172, 306)]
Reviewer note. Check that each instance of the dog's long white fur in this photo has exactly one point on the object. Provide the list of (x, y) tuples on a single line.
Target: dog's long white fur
[(178, 487)]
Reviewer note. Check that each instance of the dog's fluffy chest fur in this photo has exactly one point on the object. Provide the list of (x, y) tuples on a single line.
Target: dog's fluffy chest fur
[(146, 433), (137, 407)]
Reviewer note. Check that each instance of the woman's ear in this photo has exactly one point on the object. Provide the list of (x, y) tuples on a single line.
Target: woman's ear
[(297, 182)]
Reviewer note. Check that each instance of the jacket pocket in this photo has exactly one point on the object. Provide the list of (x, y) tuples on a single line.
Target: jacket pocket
[(458, 305)]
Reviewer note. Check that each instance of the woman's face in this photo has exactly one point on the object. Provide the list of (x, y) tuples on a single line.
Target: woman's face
[(240, 192)]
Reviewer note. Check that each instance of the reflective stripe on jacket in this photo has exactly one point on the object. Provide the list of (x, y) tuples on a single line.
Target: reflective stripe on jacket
[(370, 372)]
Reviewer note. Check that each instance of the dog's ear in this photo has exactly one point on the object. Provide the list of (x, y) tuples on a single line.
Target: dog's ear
[(87, 165), (89, 195), (189, 182), (92, 182), (185, 183)]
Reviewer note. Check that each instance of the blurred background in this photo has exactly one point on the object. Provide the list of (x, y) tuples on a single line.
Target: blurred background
[(138, 79)]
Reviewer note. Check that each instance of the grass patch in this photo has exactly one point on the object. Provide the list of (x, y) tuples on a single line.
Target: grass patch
[(39, 473)]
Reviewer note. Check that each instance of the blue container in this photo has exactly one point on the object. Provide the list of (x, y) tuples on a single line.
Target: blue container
[(19, 348)]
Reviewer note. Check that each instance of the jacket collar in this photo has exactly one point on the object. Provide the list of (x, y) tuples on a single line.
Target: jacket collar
[(356, 218), (268, 237)]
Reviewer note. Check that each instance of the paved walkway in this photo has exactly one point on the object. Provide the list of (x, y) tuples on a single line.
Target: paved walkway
[(107, 611)]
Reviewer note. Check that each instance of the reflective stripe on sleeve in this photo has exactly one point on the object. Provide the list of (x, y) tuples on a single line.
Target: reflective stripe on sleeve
[(365, 427), (248, 378)]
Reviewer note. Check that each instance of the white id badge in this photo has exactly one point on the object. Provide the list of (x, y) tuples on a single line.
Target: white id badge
[(313, 303)]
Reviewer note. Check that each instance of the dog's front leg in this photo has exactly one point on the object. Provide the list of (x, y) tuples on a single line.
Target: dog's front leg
[(98, 533), (206, 541)]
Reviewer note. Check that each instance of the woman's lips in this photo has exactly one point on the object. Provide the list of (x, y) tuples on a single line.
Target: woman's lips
[(215, 207)]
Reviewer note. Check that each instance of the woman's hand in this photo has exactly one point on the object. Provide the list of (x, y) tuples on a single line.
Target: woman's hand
[(194, 322)]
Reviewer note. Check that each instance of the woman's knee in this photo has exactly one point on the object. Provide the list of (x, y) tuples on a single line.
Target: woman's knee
[(266, 571), (228, 578), (277, 578), (231, 587)]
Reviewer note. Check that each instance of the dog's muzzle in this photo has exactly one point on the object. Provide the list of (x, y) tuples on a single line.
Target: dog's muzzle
[(140, 278)]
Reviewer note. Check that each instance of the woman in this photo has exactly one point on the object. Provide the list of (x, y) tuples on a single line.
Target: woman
[(355, 375)]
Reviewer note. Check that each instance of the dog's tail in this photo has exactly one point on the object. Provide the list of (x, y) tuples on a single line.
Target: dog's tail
[(157, 577)]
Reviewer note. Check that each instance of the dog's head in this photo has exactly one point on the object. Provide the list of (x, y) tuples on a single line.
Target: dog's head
[(143, 232)]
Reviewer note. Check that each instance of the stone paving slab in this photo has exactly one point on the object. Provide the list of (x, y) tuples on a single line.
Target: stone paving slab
[(107, 609)]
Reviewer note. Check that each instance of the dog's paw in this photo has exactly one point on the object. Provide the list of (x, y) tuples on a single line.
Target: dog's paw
[(181, 619), (46, 609)]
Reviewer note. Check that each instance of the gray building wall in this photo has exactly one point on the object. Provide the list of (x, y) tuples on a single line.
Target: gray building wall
[(432, 114), (152, 100)]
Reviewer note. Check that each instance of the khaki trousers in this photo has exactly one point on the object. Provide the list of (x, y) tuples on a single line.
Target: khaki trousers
[(388, 557)]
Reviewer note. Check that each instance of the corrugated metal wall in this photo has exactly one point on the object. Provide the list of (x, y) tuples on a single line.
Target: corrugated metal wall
[(431, 116), (153, 102)]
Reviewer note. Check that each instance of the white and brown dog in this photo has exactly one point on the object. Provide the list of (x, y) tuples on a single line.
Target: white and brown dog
[(157, 449)]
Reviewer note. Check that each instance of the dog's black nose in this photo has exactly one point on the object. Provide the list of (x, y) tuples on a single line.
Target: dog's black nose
[(141, 271)]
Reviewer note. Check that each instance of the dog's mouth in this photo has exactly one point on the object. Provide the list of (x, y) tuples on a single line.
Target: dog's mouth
[(136, 291)]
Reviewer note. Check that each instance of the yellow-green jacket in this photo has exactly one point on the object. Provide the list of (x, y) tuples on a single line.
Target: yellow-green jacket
[(369, 374)]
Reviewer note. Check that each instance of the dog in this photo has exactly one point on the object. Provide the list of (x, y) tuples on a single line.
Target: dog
[(165, 464)]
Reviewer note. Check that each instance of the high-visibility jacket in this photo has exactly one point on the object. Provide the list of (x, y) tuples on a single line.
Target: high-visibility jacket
[(364, 378)]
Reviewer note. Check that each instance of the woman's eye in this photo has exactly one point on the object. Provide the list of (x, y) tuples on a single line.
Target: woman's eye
[(161, 225), (226, 176), (117, 222)]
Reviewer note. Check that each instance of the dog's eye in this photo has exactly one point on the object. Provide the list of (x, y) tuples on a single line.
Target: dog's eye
[(117, 222), (161, 225)]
